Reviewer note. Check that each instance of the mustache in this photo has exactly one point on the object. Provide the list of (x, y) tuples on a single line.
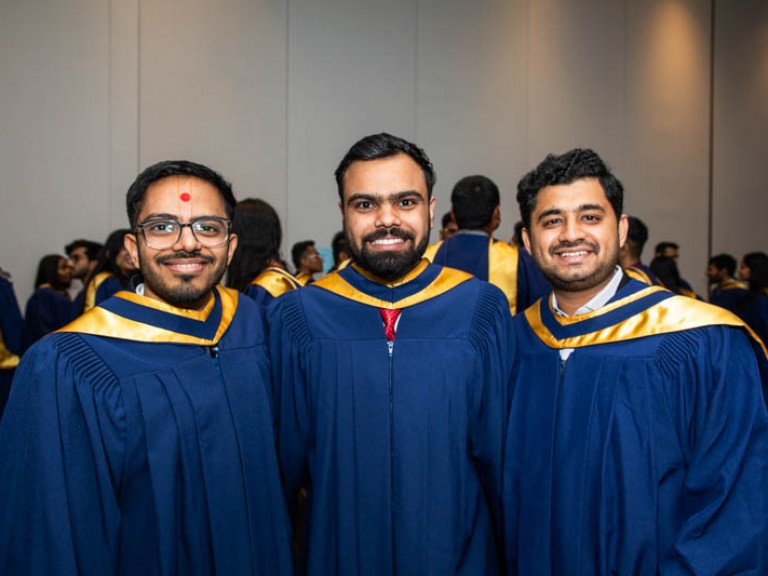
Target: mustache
[(388, 232), (578, 244), (184, 256)]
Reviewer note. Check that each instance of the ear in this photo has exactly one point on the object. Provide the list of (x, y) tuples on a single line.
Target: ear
[(432, 203), (527, 240), (131, 244), (623, 229), (232, 247)]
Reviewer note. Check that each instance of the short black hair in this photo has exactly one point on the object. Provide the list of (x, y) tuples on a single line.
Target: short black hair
[(724, 262), (92, 248), (474, 198), (135, 197), (298, 251), (447, 219), (339, 244), (575, 164), (637, 236), (384, 145), (517, 235), (662, 246)]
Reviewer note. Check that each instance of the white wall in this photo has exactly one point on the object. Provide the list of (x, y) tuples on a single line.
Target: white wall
[(272, 93)]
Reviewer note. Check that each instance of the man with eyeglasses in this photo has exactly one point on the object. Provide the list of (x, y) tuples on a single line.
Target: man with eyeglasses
[(139, 438)]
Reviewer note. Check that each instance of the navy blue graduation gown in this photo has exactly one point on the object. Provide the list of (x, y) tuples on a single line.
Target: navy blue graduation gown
[(643, 273), (729, 295), (401, 448), (11, 338), (510, 268), (753, 309), (139, 440), (271, 283), (647, 451), (47, 310)]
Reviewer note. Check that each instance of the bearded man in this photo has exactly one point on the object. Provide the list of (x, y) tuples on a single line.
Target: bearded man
[(638, 435), (139, 438), (391, 380)]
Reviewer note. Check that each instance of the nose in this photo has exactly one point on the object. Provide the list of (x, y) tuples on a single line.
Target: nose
[(571, 231), (187, 241), (387, 216)]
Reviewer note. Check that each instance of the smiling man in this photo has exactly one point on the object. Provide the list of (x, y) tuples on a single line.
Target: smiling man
[(638, 435), (391, 382), (139, 438)]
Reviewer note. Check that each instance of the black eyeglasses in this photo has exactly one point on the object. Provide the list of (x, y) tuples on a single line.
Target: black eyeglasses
[(162, 233)]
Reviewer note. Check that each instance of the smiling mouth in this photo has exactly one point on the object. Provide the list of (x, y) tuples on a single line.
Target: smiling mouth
[(387, 241), (573, 253), (185, 266)]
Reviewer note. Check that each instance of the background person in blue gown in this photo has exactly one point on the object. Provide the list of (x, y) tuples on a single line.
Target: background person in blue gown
[(476, 210), (139, 438), (49, 307), (11, 336), (638, 435)]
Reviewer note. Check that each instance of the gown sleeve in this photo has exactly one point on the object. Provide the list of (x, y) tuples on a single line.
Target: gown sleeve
[(724, 528), (107, 289), (531, 283), (259, 295), (492, 335), (61, 447), (288, 336)]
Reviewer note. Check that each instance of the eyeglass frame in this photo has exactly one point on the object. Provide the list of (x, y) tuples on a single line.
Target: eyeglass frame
[(226, 221)]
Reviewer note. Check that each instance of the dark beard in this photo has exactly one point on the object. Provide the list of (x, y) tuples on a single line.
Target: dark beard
[(184, 295), (388, 266), (601, 274)]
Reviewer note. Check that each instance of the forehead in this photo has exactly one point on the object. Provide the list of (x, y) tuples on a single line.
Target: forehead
[(182, 195), (571, 196), (385, 175), (77, 252)]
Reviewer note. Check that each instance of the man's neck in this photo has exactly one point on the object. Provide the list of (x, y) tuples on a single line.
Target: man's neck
[(197, 306), (475, 232), (570, 303)]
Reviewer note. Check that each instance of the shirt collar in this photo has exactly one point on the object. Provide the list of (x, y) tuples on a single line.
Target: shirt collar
[(598, 300)]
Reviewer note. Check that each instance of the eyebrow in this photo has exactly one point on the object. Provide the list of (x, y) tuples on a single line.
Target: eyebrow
[(166, 216), (394, 197), (581, 208)]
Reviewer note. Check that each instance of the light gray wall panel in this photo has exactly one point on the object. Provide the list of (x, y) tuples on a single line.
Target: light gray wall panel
[(123, 106), (741, 128), (667, 140), (352, 70), (472, 108), (576, 70), (54, 63), (212, 89)]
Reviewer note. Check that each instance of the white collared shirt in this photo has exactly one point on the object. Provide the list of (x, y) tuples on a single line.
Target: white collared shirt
[(597, 301)]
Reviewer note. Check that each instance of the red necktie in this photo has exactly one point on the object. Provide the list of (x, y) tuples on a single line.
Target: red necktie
[(389, 317)]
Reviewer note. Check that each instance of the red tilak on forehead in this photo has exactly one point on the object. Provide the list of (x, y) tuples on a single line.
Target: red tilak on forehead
[(185, 197)]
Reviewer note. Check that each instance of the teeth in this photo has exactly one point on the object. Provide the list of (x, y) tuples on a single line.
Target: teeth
[(569, 254), (387, 241)]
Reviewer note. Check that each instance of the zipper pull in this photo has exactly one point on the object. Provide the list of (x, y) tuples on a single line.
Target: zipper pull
[(213, 351)]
